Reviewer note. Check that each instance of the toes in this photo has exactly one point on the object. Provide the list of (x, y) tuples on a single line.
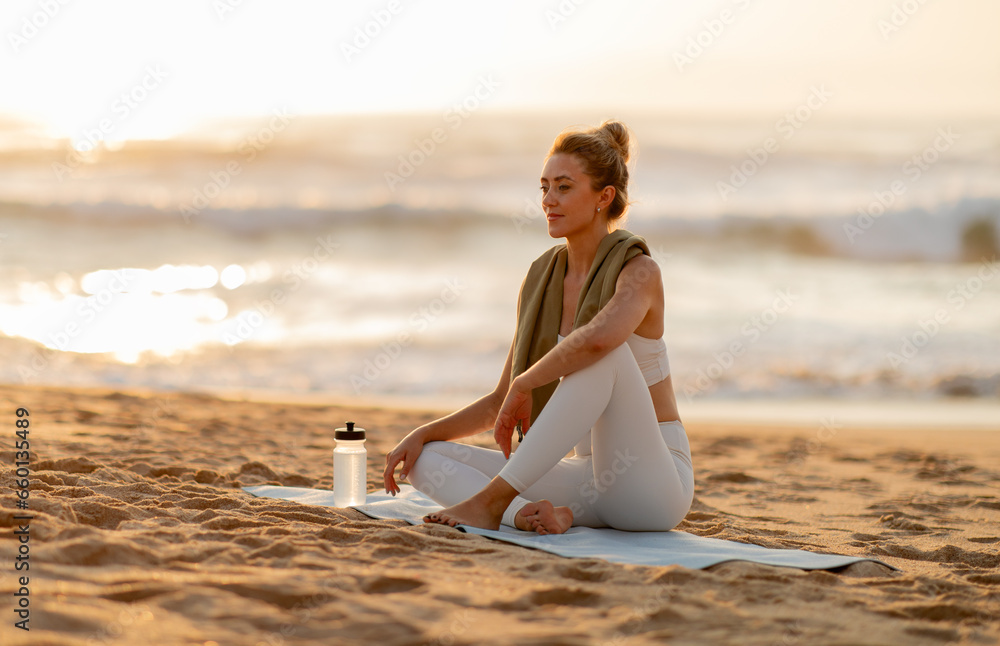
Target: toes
[(440, 519)]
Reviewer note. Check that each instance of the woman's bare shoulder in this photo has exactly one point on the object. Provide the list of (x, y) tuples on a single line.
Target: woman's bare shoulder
[(641, 269)]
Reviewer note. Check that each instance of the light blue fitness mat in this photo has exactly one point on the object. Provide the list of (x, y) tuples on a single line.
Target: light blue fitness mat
[(640, 548)]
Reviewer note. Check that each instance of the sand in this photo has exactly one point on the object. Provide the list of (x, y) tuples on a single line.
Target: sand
[(141, 535)]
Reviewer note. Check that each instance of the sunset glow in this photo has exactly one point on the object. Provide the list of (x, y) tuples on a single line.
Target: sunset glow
[(128, 70)]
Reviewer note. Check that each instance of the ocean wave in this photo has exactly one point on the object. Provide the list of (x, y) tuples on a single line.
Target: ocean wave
[(964, 230)]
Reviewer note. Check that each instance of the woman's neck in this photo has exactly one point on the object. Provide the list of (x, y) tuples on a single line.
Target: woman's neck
[(581, 249)]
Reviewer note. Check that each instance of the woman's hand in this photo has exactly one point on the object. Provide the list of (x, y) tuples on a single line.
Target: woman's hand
[(516, 408), (407, 451)]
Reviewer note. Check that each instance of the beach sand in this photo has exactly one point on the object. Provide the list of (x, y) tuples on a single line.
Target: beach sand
[(141, 535)]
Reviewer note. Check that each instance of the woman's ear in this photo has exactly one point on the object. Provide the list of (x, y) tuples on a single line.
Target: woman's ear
[(607, 197)]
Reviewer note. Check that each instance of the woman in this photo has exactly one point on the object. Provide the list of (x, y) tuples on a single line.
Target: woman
[(587, 371)]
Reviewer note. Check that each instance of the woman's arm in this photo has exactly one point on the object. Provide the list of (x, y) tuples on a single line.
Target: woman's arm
[(474, 418), (635, 293)]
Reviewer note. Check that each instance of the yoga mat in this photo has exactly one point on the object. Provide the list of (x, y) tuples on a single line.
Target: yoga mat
[(639, 548)]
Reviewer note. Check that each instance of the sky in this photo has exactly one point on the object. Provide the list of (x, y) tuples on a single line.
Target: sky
[(68, 64)]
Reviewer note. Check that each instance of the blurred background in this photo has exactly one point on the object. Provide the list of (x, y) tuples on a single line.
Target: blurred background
[(342, 198)]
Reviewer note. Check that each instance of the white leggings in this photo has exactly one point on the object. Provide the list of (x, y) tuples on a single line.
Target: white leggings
[(635, 475)]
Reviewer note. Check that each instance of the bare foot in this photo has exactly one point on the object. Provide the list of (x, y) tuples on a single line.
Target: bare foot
[(466, 512), (543, 517)]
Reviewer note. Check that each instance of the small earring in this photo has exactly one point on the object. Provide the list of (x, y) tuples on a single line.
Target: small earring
[(598, 209)]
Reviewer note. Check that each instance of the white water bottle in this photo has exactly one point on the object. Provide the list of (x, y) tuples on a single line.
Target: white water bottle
[(350, 481)]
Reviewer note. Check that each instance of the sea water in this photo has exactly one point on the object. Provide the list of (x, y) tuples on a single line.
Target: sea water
[(308, 272)]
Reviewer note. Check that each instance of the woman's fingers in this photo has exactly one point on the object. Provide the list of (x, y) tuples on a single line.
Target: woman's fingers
[(388, 480), (388, 475), (516, 408), (503, 433), (501, 441)]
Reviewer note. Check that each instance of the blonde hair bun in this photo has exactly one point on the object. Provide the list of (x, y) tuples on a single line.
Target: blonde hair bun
[(619, 136)]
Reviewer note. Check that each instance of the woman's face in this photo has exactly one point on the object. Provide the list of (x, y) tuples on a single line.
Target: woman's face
[(569, 202)]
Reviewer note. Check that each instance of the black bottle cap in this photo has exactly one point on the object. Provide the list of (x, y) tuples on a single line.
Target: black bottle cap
[(349, 433)]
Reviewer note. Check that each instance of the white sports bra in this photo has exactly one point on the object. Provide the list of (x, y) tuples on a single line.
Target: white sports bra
[(650, 354)]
